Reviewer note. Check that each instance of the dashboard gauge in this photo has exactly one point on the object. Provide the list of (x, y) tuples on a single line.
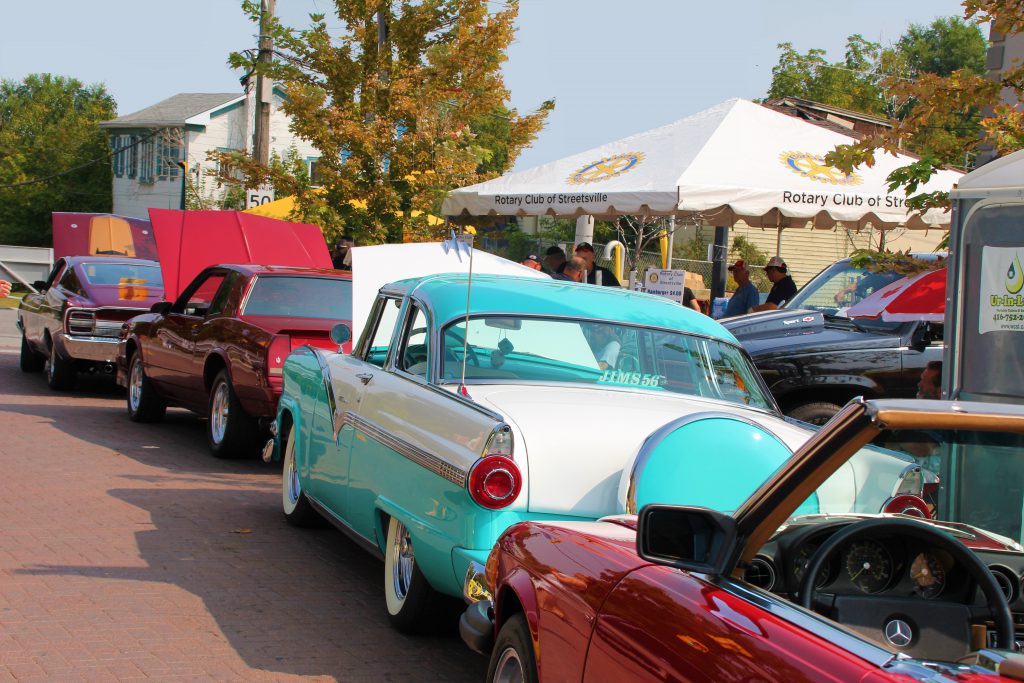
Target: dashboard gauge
[(869, 566), (800, 561), (928, 575)]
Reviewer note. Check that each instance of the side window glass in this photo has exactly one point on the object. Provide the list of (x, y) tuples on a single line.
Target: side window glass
[(198, 301), (55, 275), (385, 318), (70, 281), (415, 350), (217, 305)]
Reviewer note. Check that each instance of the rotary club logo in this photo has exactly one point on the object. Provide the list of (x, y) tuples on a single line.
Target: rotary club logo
[(814, 167), (606, 168)]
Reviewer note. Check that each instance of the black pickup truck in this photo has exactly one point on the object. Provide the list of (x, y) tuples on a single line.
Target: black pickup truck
[(814, 359)]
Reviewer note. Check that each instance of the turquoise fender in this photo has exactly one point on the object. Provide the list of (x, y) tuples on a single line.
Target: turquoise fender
[(711, 460)]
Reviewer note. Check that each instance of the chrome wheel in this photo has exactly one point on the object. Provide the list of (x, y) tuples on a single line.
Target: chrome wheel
[(291, 487), (51, 362), (135, 385), (509, 668), (403, 562), (219, 409)]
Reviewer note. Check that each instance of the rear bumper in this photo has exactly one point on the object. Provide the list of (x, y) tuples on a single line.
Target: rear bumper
[(476, 625), (95, 349)]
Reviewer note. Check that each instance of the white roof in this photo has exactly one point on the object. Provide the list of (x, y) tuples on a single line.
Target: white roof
[(1002, 175), (737, 160)]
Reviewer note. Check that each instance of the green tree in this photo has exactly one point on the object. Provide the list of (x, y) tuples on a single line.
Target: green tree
[(852, 83), (948, 44), (400, 121), (936, 100), (48, 136)]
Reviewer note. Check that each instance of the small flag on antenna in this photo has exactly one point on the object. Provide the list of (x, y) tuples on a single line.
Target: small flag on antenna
[(461, 244)]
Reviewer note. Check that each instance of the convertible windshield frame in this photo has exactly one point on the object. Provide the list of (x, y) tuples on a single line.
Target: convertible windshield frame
[(769, 406)]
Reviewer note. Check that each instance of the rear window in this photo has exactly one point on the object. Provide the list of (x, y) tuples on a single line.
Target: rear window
[(300, 297), (122, 273)]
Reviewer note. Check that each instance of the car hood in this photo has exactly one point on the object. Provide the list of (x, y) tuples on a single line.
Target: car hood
[(189, 241), (804, 331), (577, 440), (102, 234)]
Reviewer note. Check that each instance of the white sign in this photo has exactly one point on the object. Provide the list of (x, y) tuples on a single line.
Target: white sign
[(1002, 290), (258, 197), (666, 283)]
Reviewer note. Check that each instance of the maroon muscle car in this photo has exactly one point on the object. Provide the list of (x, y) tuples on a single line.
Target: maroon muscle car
[(782, 586), (220, 347), (73, 322)]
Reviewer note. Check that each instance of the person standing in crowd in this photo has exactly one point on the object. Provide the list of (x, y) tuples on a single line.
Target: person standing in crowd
[(342, 258), (783, 287), (930, 384), (531, 261), (5, 289), (573, 271), (585, 251), (690, 300), (555, 259), (745, 297)]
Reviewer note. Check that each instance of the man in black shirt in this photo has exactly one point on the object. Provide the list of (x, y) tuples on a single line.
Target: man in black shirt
[(783, 287), (585, 250), (554, 259)]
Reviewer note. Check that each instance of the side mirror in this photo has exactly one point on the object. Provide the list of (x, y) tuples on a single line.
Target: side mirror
[(39, 284), (340, 333), (689, 538), (161, 307)]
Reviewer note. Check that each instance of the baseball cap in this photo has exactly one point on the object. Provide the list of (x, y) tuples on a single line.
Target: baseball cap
[(776, 262), (584, 246), (739, 265), (532, 257), (554, 249)]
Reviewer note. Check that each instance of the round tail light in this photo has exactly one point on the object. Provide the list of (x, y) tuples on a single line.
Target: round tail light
[(906, 504), (494, 482)]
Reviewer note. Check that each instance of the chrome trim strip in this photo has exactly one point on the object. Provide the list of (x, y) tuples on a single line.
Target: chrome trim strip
[(659, 435), (428, 461), (344, 528), (805, 620)]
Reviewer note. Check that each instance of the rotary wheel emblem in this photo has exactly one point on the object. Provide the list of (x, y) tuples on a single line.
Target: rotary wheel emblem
[(606, 168), (814, 167)]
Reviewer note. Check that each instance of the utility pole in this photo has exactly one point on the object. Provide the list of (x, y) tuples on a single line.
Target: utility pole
[(264, 87)]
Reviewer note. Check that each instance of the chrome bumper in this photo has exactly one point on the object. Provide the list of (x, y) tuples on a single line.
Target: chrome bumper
[(97, 349), (476, 625)]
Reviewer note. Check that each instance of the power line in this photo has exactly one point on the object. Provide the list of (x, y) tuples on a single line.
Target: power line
[(86, 164)]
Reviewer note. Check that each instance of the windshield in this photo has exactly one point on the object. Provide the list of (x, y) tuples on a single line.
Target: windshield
[(607, 354), (122, 274), (840, 286), (325, 298)]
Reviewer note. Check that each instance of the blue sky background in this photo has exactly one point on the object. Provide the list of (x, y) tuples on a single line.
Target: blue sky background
[(615, 67)]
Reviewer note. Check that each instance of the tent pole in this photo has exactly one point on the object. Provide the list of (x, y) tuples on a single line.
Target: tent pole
[(718, 262)]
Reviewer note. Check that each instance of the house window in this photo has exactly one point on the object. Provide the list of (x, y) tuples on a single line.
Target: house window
[(314, 173), (168, 155), (147, 160), (132, 156)]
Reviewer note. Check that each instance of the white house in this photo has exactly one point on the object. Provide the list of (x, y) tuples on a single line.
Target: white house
[(149, 144)]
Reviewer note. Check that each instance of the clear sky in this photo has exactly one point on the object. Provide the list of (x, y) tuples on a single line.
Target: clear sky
[(615, 67)]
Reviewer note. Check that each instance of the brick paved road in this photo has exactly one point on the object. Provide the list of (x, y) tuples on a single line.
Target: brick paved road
[(127, 552)]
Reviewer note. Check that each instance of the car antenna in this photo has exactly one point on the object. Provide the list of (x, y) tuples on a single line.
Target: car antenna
[(460, 243)]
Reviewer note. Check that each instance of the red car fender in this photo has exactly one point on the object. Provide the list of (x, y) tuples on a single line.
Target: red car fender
[(517, 585)]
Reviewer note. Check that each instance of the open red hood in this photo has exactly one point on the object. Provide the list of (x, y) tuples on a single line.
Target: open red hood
[(189, 241), (102, 234)]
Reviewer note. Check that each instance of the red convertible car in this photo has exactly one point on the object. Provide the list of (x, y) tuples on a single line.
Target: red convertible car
[(775, 583)]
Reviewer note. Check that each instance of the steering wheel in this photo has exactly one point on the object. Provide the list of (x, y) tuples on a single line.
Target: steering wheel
[(449, 355), (920, 627)]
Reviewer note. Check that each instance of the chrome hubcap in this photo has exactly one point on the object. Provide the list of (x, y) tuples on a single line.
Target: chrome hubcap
[(219, 412), (292, 478), (509, 668), (51, 362), (403, 562), (135, 386)]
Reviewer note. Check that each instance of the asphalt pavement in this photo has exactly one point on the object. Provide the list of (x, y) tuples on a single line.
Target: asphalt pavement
[(127, 553)]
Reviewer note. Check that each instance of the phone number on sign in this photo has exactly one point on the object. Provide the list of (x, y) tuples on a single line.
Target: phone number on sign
[(1009, 317)]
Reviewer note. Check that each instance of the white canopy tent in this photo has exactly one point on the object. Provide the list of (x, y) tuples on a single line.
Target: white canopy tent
[(736, 161)]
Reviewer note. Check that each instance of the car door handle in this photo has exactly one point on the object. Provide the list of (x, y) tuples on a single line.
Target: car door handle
[(364, 377)]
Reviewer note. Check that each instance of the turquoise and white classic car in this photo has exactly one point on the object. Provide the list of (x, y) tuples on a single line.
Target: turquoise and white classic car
[(537, 399)]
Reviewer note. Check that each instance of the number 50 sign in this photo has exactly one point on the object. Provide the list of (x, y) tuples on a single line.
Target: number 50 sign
[(258, 197)]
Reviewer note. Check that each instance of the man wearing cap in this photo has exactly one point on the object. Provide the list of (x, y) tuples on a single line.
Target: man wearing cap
[(554, 258), (585, 250), (745, 297), (531, 261), (783, 287)]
